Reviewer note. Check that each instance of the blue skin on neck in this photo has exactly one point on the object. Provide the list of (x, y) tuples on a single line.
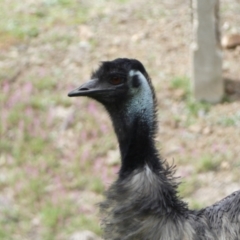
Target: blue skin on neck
[(141, 104)]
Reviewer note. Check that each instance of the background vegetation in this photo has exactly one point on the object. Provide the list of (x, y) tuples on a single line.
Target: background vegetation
[(57, 155)]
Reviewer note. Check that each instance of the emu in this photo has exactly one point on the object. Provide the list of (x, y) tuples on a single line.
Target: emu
[(143, 203)]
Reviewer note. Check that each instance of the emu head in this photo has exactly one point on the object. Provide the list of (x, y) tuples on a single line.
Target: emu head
[(121, 84)]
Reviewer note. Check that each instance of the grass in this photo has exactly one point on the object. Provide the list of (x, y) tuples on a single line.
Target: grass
[(187, 188), (181, 82), (207, 163), (30, 21), (39, 177), (194, 109), (232, 120)]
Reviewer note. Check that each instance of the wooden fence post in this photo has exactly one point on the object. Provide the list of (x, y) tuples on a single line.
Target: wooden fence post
[(206, 52)]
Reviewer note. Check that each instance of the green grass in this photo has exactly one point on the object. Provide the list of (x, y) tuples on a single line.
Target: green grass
[(181, 82), (122, 1), (194, 108), (187, 188), (96, 185), (32, 163), (207, 163), (193, 204), (25, 23), (45, 83), (232, 120)]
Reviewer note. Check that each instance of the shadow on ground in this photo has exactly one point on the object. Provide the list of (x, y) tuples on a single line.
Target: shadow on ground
[(232, 89)]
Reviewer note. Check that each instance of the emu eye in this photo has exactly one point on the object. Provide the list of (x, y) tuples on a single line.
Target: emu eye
[(116, 80)]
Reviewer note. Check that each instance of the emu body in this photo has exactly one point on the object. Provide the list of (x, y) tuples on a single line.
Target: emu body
[(143, 203)]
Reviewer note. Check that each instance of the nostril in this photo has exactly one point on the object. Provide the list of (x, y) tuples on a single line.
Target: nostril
[(83, 89)]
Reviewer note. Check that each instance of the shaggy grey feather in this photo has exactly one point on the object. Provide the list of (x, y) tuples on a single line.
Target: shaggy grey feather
[(133, 213)]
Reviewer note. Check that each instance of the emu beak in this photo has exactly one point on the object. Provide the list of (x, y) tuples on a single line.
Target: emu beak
[(89, 89)]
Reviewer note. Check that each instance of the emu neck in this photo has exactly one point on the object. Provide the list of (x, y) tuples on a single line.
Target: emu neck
[(134, 121), (136, 141)]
